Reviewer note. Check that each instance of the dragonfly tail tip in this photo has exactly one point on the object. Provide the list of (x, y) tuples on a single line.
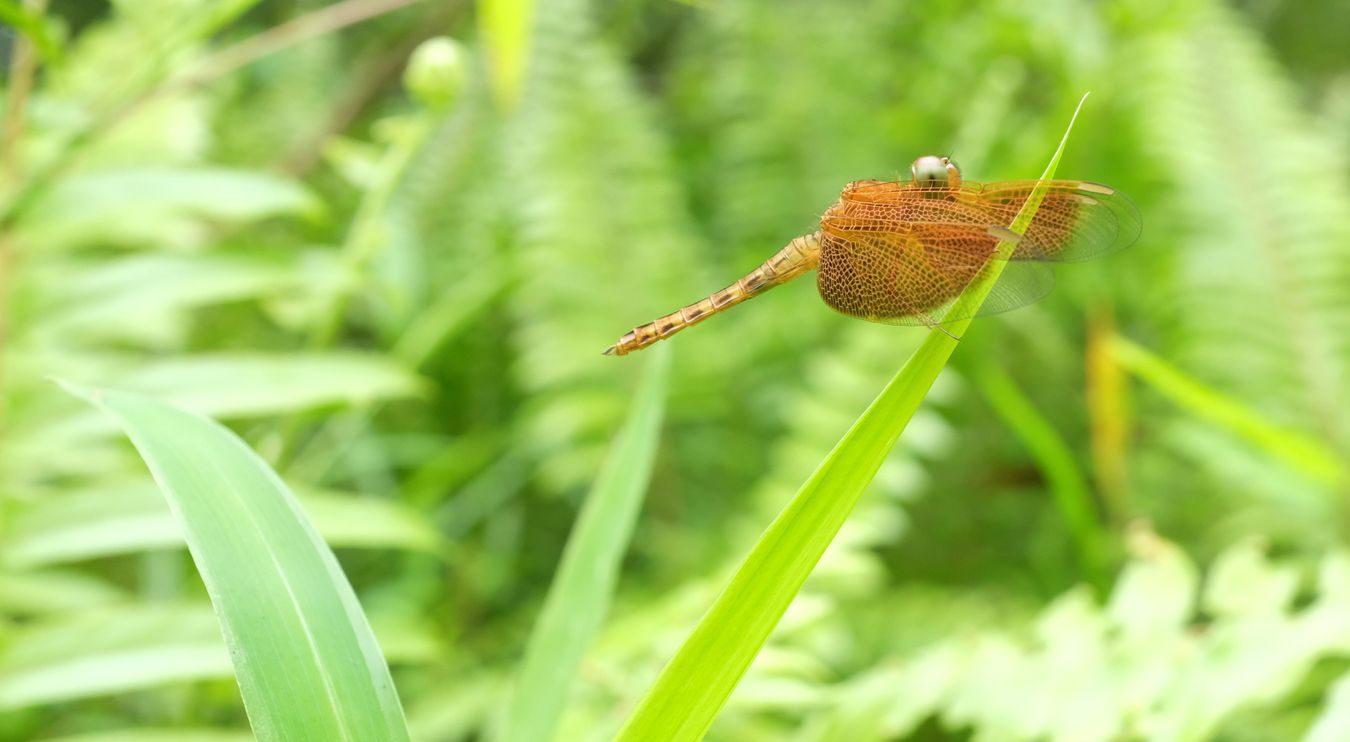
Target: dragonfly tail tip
[(611, 350)]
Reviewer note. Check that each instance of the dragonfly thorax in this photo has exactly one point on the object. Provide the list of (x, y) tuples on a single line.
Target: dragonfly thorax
[(931, 171)]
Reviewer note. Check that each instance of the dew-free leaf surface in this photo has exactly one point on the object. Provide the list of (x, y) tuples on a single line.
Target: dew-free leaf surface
[(304, 654), (697, 682)]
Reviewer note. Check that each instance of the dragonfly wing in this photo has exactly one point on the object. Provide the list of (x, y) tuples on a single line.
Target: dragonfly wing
[(902, 255), (1076, 221), (912, 273), (1020, 283)]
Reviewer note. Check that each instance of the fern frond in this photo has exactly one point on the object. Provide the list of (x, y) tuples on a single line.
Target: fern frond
[(604, 238), (1262, 275)]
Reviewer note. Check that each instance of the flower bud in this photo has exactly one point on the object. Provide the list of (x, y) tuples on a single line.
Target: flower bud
[(435, 72)]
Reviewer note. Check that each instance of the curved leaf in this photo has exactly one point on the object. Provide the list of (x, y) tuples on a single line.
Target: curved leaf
[(699, 679), (304, 654)]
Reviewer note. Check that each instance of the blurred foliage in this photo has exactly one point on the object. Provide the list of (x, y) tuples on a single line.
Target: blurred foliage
[(399, 299)]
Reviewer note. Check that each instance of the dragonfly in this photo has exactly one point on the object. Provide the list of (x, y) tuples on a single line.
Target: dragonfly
[(901, 252)]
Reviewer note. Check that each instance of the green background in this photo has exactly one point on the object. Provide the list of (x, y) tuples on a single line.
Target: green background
[(1120, 513)]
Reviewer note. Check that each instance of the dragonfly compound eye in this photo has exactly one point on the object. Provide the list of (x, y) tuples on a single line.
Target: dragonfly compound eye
[(930, 171)]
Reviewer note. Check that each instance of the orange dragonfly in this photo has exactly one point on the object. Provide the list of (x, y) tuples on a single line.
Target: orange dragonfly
[(901, 252)]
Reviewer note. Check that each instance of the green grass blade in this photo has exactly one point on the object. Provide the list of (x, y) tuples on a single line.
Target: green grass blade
[(1055, 459), (305, 657), (579, 597), (697, 682), (1300, 452), (505, 29)]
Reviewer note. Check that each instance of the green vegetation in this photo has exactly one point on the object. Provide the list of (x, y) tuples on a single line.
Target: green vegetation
[(307, 663), (696, 683), (383, 242)]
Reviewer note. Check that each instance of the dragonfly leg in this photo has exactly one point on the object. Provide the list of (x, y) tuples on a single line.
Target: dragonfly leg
[(945, 331), (933, 324)]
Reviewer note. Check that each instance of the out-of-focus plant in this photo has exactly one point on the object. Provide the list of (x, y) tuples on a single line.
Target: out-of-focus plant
[(304, 654), (391, 271), (699, 679), (1164, 658)]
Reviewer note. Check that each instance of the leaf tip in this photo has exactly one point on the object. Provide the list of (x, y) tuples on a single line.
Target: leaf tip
[(90, 394)]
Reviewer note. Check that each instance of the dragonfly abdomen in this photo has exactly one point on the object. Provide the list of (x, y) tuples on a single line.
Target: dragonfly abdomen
[(799, 256)]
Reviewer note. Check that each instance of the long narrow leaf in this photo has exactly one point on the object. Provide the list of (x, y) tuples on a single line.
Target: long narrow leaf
[(304, 655), (580, 594), (505, 28), (127, 519), (699, 679), (1056, 461), (1300, 452)]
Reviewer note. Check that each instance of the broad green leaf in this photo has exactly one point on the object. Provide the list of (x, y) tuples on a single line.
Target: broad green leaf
[(114, 651), (134, 518), (228, 195), (584, 584), (694, 686), (133, 204), (118, 649), (305, 657), (117, 298), (53, 591), (244, 385)]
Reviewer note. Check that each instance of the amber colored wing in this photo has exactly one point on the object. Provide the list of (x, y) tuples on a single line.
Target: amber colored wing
[(898, 254), (1077, 220), (911, 273)]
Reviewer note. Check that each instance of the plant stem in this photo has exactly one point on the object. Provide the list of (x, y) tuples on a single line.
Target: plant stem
[(299, 30), (23, 64), (374, 73), (208, 69), (365, 238), (1108, 415)]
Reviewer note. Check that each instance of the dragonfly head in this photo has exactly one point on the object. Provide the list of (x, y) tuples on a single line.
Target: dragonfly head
[(931, 171)]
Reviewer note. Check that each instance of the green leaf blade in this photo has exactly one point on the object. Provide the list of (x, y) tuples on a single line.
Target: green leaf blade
[(305, 657), (694, 686), (588, 573), (1304, 454), (505, 27)]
